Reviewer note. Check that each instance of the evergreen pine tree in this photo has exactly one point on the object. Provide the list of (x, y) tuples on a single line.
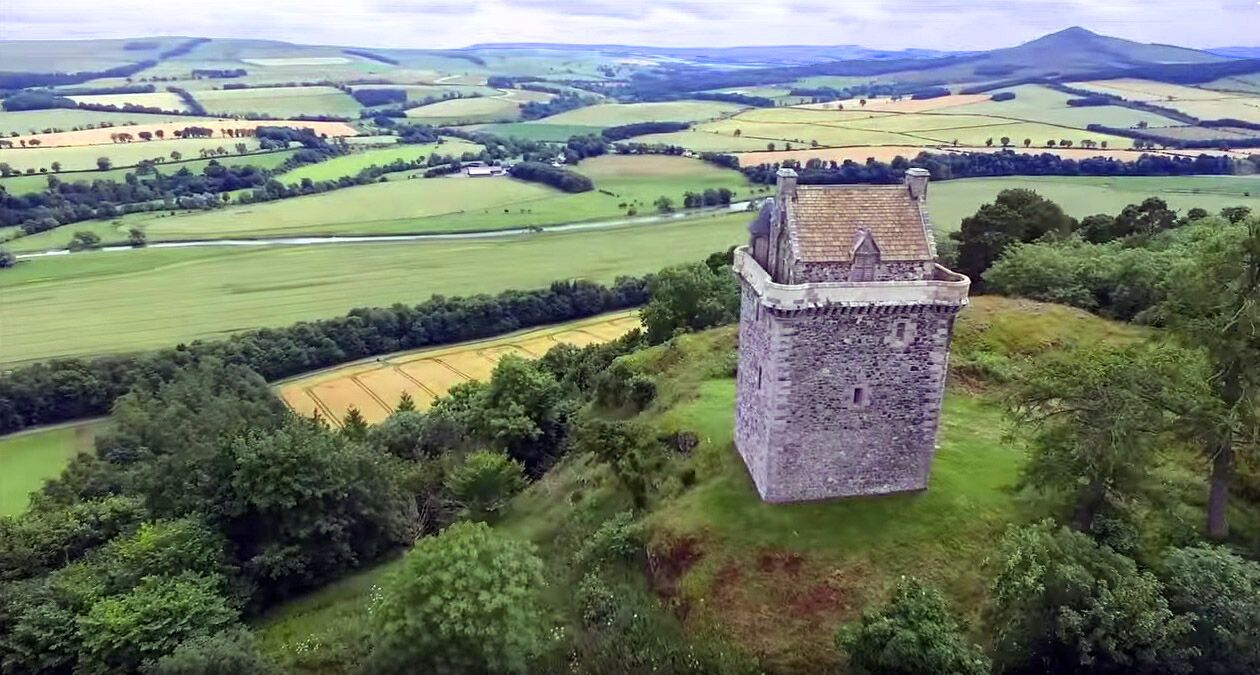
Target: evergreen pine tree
[(354, 426), (406, 403)]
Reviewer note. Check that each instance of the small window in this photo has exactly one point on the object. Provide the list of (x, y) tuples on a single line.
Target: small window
[(860, 398), (901, 331), (758, 377)]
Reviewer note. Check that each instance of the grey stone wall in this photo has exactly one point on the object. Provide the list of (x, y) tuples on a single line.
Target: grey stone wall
[(752, 391), (886, 271), (804, 434)]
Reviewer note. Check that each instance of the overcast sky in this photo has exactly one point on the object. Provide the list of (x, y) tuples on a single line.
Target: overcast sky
[(935, 24)]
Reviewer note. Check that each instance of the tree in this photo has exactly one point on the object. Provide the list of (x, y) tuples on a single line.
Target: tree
[(405, 403), (120, 633), (738, 133), (464, 601), (353, 426), (1235, 214), (1061, 603), (137, 238), (485, 482), (1222, 592), (1095, 418), (84, 240), (1150, 217), (1027, 142), (1211, 304), (176, 155), (688, 298), (914, 633), (770, 147), (664, 204), (7, 259), (56, 167), (1005, 141), (6, 170), (1017, 215), (988, 142), (103, 163), (520, 410)]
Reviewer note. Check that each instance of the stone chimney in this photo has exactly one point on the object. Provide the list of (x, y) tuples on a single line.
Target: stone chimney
[(917, 180), (787, 186)]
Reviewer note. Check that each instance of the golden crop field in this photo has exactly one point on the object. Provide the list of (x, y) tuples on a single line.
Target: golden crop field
[(102, 136), (376, 386)]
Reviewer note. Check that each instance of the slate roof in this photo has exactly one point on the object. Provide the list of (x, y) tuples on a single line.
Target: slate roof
[(760, 226), (825, 220)]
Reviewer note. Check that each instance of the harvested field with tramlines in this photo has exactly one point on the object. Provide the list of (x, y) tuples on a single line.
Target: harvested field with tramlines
[(375, 387), (110, 135)]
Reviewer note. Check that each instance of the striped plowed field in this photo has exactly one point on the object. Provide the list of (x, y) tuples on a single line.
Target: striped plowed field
[(376, 386)]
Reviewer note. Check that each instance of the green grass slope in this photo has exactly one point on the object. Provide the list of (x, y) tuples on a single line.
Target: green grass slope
[(29, 458)]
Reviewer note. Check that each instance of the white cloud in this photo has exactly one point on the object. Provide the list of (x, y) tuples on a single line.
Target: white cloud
[(938, 24)]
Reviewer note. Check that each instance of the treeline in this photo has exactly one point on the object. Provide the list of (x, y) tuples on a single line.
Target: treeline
[(739, 99), (1154, 137), (556, 177), (375, 97), (371, 56), (1005, 163), (36, 100), (533, 110), (624, 131), (67, 389)]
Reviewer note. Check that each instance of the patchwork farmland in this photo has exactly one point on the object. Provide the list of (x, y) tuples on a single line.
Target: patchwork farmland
[(375, 387)]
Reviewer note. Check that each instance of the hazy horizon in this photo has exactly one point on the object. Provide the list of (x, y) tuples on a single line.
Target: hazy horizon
[(435, 24)]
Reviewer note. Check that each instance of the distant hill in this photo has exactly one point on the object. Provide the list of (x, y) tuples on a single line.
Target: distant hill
[(752, 55), (1236, 52)]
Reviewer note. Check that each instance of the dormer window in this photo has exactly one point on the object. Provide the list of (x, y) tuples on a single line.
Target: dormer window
[(865, 257)]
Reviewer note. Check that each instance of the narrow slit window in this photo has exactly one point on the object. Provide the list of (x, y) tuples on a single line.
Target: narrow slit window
[(901, 331)]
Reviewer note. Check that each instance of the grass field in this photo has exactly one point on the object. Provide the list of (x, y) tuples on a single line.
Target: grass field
[(950, 201), (376, 386), (280, 102), (535, 131), (83, 157), (158, 99), (447, 204), (1034, 103), (113, 302), (616, 114), (34, 183), (418, 92), (29, 458), (36, 121), (1204, 104), (68, 56), (501, 107), (349, 165)]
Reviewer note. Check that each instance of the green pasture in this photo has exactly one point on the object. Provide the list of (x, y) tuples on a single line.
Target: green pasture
[(164, 100), (617, 114), (534, 131), (83, 157), (29, 458), (36, 182), (1202, 103), (352, 164), (1035, 103), (951, 201), (102, 302), (67, 119), (407, 206), (280, 102), (419, 92), (705, 141), (467, 110)]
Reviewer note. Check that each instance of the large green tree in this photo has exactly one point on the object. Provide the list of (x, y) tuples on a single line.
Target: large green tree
[(464, 601), (1213, 304), (1061, 603), (1017, 215), (687, 298), (1222, 592), (914, 634), (1096, 417), (485, 482)]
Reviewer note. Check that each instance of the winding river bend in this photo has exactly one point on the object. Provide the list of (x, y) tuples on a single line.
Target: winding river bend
[(384, 238)]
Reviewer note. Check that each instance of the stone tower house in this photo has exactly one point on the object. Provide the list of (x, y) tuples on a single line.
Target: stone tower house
[(844, 331)]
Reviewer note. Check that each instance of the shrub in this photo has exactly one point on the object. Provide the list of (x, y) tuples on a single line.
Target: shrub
[(913, 633), (615, 541), (231, 652), (689, 298), (485, 482), (464, 601)]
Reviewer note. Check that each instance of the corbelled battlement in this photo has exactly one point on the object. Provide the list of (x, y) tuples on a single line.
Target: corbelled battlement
[(946, 288)]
